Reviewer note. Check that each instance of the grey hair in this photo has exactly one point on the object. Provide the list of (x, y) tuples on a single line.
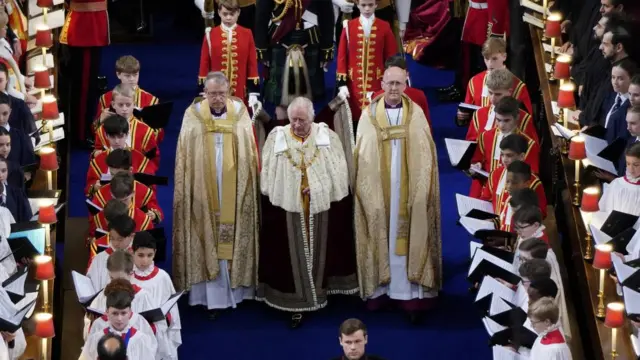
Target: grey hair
[(217, 77), (303, 102)]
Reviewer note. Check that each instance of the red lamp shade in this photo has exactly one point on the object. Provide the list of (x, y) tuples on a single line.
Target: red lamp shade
[(47, 214), (44, 268), (615, 315), (602, 258), (44, 38), (41, 78), (552, 28), (44, 326), (44, 3), (562, 70), (566, 99), (48, 159), (590, 197), (577, 149), (50, 108)]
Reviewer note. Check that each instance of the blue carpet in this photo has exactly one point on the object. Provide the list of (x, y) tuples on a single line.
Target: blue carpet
[(253, 331)]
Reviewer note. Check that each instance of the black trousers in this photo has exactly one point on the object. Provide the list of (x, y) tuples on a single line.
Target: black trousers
[(79, 82)]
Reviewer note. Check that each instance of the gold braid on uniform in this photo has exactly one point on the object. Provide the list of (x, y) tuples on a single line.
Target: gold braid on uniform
[(287, 5)]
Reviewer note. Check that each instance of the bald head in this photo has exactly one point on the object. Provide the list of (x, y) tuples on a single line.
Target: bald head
[(394, 82), (111, 347)]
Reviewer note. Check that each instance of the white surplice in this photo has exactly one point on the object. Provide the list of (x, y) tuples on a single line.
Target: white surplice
[(623, 195), (400, 288), (97, 271), (158, 283), (218, 294), (560, 298), (550, 346), (9, 264), (140, 347), (8, 309), (135, 321)]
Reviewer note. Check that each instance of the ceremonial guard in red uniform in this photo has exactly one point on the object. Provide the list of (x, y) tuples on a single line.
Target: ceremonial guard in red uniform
[(85, 31), (229, 48), (484, 115), (485, 18), (99, 166), (295, 39), (365, 44), (476, 95)]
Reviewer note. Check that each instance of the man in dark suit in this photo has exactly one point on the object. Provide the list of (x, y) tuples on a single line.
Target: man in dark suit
[(353, 339), (21, 146), (112, 347), (21, 116), (633, 126)]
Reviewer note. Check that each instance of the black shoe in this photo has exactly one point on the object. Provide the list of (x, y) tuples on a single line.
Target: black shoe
[(213, 314), (454, 95), (296, 320)]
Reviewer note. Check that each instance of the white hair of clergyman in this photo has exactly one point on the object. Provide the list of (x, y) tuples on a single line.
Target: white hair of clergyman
[(217, 77), (303, 102)]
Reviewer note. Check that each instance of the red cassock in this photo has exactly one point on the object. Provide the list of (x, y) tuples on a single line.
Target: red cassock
[(99, 221), (487, 145), (360, 64), (98, 166), (141, 100), (235, 57), (143, 139), (476, 84), (490, 192), (503, 207), (102, 241), (417, 96), (144, 198), (86, 24), (485, 18), (481, 117)]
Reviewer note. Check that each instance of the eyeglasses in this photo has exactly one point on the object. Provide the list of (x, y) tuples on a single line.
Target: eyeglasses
[(215, 94)]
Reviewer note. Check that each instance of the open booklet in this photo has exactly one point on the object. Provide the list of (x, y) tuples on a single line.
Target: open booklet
[(17, 286), (474, 208), (503, 254), (562, 131), (473, 225), (520, 335), (505, 313), (631, 303), (619, 242), (602, 155), (627, 275), (486, 264), (460, 153), (490, 287), (11, 316), (159, 314), (156, 116), (85, 291)]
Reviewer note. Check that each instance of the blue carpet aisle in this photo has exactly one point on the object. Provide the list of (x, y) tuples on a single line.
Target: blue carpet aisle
[(253, 331)]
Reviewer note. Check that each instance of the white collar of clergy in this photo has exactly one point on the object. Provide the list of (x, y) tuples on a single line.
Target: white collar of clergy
[(319, 131), (389, 106)]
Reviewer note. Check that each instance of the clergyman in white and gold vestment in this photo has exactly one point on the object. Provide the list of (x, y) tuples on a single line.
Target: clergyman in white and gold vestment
[(215, 209), (397, 202), (307, 249)]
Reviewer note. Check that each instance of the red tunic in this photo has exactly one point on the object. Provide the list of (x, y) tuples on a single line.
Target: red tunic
[(490, 192), (481, 117), (86, 24), (144, 198), (141, 100), (476, 84), (98, 166), (487, 144), (237, 58), (143, 138), (360, 63), (485, 18), (99, 221), (417, 96)]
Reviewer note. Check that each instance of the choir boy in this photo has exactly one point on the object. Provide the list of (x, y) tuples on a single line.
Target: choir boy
[(518, 177), (21, 116), (534, 248), (114, 206), (623, 194), (21, 145), (365, 44), (123, 129), (551, 343), (542, 288), (119, 237), (140, 346), (111, 162), (128, 72), (9, 265), (512, 148), (527, 222), (353, 339), (230, 48), (12, 345), (494, 52), (500, 85), (135, 320), (156, 281), (14, 199), (487, 155), (124, 187), (534, 270)]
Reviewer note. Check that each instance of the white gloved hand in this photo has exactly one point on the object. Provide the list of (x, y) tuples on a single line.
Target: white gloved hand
[(344, 5), (253, 101), (343, 92), (402, 28)]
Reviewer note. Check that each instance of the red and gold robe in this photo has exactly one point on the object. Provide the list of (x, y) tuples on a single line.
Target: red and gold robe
[(98, 167), (488, 142), (86, 24), (17, 23), (475, 87), (494, 190), (99, 221), (234, 55), (481, 117), (485, 18), (141, 100), (505, 211), (142, 138), (144, 198), (360, 63)]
